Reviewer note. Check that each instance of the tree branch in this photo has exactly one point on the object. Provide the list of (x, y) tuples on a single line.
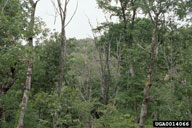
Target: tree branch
[(147, 5), (4, 6), (143, 48), (72, 15)]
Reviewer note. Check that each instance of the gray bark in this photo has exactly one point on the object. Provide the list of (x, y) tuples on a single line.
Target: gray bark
[(29, 69), (62, 13), (102, 73), (63, 56), (25, 94)]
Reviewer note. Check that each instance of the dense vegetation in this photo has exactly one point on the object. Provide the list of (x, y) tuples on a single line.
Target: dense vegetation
[(129, 74)]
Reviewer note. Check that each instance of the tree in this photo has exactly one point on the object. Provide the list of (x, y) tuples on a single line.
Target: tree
[(27, 87), (158, 8), (103, 76), (126, 13), (12, 25), (61, 9)]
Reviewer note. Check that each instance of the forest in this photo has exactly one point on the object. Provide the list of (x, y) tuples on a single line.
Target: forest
[(128, 74)]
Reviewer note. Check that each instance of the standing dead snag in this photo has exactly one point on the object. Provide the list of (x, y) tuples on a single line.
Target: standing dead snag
[(29, 67), (104, 61), (62, 11)]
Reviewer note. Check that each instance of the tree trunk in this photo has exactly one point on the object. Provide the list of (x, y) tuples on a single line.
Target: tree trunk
[(63, 56), (143, 113), (62, 13), (29, 69), (135, 110), (108, 74), (131, 40), (123, 11), (102, 71), (89, 86), (25, 94)]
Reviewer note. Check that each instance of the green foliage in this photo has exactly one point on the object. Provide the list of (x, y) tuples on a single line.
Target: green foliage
[(112, 118), (87, 70)]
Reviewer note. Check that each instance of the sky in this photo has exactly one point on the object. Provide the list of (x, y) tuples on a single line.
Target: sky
[(79, 27)]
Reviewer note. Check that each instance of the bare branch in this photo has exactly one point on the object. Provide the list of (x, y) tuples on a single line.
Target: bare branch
[(147, 5), (91, 26), (72, 15), (33, 3), (56, 11), (67, 1), (37, 1), (82, 96), (60, 9), (143, 48), (65, 9)]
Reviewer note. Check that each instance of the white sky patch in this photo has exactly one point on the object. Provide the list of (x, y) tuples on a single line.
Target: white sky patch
[(79, 27)]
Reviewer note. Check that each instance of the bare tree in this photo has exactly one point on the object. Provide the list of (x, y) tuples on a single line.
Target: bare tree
[(61, 9), (104, 52), (29, 67)]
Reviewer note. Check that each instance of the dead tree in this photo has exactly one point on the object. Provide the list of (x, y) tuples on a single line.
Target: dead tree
[(104, 61), (61, 9)]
